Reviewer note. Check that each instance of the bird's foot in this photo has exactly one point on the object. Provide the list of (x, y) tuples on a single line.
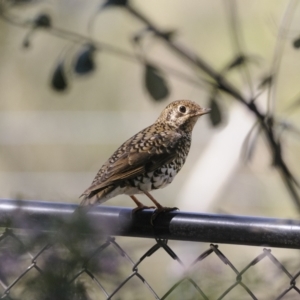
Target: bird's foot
[(141, 207), (160, 210)]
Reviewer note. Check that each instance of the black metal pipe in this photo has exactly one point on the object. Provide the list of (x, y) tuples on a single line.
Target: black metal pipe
[(176, 225)]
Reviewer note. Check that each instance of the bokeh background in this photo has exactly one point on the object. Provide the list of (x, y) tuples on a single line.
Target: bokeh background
[(53, 143)]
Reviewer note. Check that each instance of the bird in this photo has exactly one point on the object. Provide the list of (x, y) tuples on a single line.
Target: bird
[(149, 160)]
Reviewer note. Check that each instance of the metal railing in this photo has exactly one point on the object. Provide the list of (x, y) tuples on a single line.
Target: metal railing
[(40, 237)]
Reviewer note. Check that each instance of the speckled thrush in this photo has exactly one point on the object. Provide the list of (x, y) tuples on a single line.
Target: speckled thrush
[(150, 159)]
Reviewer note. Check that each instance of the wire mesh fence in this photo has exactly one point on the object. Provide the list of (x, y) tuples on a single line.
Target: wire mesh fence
[(45, 254)]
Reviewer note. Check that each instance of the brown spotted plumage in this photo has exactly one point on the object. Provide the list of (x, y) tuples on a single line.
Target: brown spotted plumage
[(150, 159)]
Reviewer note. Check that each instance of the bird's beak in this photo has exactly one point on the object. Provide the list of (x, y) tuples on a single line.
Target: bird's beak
[(204, 111)]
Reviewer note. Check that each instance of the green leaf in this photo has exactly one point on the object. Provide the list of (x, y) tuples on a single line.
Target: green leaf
[(296, 43), (215, 115), (59, 79), (115, 3), (155, 83), (85, 60), (43, 20)]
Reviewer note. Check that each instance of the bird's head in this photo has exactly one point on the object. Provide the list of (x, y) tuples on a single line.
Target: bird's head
[(182, 114)]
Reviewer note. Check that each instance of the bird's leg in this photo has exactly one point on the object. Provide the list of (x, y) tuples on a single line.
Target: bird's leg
[(153, 200), (159, 209), (140, 205)]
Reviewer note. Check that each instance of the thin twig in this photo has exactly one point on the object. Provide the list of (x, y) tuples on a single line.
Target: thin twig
[(278, 53), (235, 25)]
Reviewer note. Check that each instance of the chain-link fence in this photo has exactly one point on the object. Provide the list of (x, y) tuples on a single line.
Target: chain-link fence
[(46, 254)]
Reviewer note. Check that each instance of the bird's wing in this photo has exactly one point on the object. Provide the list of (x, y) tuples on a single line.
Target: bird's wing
[(144, 152)]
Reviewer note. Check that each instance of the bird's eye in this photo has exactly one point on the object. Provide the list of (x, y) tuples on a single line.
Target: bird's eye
[(182, 109)]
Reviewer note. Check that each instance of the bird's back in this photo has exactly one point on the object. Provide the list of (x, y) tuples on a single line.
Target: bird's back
[(149, 160)]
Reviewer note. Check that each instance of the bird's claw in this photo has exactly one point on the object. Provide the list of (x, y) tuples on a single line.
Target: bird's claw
[(142, 207), (160, 210)]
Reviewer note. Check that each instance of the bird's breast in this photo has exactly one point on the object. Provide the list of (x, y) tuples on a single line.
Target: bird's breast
[(159, 178), (163, 175)]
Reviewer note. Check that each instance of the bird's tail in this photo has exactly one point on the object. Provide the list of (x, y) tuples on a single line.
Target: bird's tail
[(92, 197)]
